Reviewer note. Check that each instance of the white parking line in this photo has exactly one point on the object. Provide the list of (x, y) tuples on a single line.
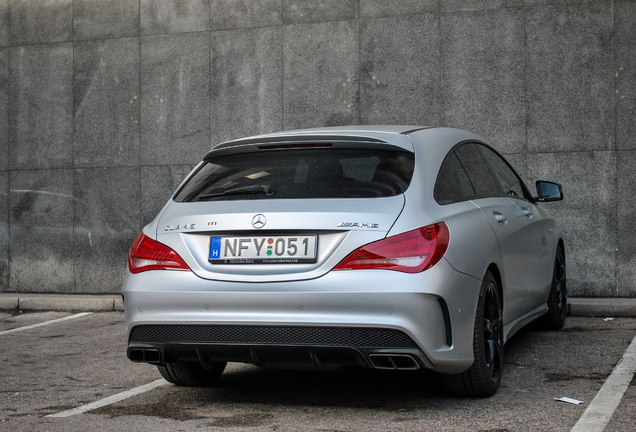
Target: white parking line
[(111, 399), (79, 315), (600, 411)]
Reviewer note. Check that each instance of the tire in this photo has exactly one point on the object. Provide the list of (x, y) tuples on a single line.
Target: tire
[(191, 373), (483, 377), (558, 297)]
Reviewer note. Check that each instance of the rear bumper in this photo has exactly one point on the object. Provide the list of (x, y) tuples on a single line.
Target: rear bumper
[(344, 317), (262, 345)]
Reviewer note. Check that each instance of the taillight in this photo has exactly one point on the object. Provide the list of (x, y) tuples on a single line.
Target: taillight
[(148, 254), (410, 252)]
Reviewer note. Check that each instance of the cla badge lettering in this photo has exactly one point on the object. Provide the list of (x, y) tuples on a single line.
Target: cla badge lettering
[(357, 225), (179, 227), (259, 221)]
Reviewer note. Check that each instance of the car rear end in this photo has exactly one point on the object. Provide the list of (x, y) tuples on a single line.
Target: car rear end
[(279, 249)]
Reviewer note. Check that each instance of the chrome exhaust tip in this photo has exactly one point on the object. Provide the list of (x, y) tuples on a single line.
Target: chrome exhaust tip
[(393, 362), (145, 355)]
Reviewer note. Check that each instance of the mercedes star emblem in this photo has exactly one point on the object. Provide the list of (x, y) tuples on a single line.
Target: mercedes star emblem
[(259, 221)]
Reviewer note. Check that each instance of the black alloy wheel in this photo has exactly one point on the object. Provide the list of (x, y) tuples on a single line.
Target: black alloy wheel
[(482, 379), (558, 297), (493, 332)]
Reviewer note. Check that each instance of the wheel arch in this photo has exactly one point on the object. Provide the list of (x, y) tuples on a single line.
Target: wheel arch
[(561, 244), (494, 269)]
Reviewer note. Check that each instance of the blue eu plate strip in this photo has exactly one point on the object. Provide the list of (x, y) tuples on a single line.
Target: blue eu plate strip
[(215, 248)]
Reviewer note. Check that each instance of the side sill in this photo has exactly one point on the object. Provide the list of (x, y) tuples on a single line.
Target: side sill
[(513, 327)]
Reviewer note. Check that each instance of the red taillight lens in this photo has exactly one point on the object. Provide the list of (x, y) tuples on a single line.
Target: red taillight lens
[(148, 254), (409, 252)]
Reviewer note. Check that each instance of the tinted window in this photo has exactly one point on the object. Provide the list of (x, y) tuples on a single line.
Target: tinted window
[(307, 173), (467, 186), (478, 171), (452, 182), (510, 183)]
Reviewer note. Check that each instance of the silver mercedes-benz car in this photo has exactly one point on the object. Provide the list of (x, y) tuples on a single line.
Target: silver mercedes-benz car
[(386, 247)]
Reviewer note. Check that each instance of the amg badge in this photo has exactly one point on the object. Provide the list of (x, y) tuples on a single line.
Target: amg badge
[(357, 225)]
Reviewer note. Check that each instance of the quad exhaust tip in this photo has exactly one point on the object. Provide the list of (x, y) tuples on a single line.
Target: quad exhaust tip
[(145, 355), (393, 362)]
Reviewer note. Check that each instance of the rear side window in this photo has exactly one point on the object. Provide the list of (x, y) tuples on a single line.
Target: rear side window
[(306, 173), (452, 183), (478, 171)]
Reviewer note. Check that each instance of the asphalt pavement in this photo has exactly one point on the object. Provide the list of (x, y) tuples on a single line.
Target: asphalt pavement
[(67, 371)]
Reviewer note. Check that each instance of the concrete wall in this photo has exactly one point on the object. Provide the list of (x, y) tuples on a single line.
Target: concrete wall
[(106, 104)]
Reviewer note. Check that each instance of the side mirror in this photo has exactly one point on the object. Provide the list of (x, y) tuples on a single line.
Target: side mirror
[(549, 191)]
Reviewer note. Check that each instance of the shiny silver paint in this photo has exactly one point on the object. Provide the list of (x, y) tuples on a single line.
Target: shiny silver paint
[(484, 234), (393, 300)]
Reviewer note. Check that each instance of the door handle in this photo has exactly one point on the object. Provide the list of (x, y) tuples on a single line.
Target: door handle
[(501, 219), (526, 211)]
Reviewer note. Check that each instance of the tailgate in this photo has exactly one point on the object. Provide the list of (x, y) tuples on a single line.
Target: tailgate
[(289, 239)]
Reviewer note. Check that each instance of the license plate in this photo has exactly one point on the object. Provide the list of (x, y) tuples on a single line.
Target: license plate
[(263, 249)]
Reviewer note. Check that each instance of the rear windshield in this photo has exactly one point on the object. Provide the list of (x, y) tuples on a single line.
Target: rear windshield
[(306, 173)]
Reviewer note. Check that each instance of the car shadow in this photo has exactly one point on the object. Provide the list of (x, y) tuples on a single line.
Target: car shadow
[(349, 387)]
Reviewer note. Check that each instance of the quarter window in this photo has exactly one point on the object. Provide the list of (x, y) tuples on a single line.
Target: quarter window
[(477, 170), (452, 183)]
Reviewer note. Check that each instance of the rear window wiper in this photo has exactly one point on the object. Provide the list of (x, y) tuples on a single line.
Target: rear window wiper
[(266, 189)]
